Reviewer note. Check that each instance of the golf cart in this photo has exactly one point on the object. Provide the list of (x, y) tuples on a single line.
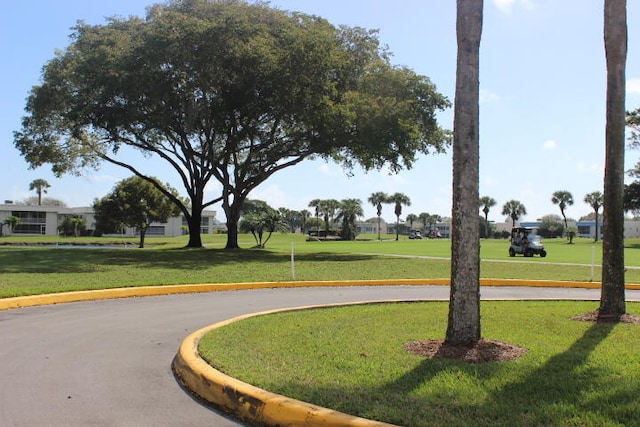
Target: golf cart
[(527, 242)]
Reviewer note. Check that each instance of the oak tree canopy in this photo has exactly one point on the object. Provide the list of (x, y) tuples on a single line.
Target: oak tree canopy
[(229, 92)]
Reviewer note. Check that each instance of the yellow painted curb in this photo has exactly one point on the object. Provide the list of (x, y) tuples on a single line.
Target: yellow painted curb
[(249, 403), (144, 291)]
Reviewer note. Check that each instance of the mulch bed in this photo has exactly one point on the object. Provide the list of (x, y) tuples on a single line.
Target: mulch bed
[(483, 351), (596, 316), (487, 350)]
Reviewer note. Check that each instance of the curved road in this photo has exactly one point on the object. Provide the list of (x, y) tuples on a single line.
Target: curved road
[(108, 363)]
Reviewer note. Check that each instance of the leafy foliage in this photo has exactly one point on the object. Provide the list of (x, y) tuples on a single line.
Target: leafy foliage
[(11, 221), (348, 212), (72, 225), (563, 199), (227, 91), (633, 122), (514, 209), (260, 218), (40, 186), (134, 202), (398, 200), (595, 200), (486, 203), (632, 197), (551, 226), (377, 199)]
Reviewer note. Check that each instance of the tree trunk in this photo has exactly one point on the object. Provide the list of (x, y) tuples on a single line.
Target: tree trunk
[(486, 224), (397, 227), (612, 299), (464, 302), (143, 232), (195, 222), (232, 211)]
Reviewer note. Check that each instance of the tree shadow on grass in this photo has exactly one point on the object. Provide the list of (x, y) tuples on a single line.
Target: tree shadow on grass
[(564, 390), (60, 260), (557, 392)]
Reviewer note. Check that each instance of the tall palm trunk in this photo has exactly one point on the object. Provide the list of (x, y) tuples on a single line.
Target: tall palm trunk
[(464, 302), (612, 299)]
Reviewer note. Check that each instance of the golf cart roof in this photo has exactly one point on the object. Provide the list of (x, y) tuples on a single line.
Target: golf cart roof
[(524, 229)]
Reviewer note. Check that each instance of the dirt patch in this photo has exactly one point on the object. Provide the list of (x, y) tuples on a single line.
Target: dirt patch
[(596, 316), (483, 351)]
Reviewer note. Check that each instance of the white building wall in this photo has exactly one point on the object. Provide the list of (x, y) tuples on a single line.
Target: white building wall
[(55, 214)]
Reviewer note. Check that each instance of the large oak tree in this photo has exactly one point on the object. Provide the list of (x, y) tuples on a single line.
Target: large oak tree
[(227, 91)]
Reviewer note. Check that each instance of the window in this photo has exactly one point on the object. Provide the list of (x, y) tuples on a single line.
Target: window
[(155, 230), (30, 222), (584, 230)]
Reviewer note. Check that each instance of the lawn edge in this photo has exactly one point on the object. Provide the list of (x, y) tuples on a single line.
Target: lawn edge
[(247, 402), (144, 291)]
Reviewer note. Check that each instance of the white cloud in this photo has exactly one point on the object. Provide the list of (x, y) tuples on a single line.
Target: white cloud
[(633, 86), (272, 194), (506, 6), (549, 144), (487, 96)]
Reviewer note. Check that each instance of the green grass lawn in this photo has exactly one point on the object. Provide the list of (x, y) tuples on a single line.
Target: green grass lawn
[(26, 270), (352, 359)]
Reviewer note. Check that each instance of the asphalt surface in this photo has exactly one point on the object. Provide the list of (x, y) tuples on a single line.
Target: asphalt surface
[(108, 363)]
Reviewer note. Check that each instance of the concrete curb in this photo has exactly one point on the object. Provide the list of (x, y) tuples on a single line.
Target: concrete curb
[(249, 403), (64, 297)]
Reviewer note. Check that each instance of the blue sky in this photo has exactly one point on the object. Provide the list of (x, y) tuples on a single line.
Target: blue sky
[(543, 80)]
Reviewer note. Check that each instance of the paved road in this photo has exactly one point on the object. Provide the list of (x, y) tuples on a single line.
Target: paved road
[(108, 363)]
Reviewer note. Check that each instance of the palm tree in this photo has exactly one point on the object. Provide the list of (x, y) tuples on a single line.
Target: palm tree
[(40, 185), (487, 203), (433, 221), (11, 222), (424, 217), (328, 208), (315, 203), (463, 325), (514, 209), (399, 200), (562, 199), (377, 199), (612, 298), (411, 218), (267, 221), (348, 211), (77, 222), (304, 214), (595, 201)]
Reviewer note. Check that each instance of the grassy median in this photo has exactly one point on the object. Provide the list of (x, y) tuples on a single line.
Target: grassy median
[(352, 359)]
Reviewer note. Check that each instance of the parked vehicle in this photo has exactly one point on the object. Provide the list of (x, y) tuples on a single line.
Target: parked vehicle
[(434, 234), (415, 235), (527, 242)]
